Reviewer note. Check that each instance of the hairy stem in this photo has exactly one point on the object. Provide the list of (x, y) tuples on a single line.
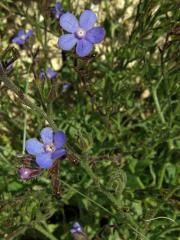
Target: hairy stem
[(26, 100)]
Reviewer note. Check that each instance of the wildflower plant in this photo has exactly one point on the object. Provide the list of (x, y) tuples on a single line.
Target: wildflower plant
[(89, 134)]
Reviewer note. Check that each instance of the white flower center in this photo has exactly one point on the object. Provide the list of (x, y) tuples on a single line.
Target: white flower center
[(23, 37), (50, 148), (80, 33)]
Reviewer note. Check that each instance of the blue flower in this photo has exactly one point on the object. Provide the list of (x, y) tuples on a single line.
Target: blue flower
[(83, 34), (49, 73), (66, 86), (49, 149), (76, 228), (78, 232), (22, 37), (57, 10)]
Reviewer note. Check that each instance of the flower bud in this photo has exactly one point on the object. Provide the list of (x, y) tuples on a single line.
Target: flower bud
[(25, 173)]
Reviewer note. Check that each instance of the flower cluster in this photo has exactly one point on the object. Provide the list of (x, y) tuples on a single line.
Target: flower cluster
[(49, 149), (83, 34)]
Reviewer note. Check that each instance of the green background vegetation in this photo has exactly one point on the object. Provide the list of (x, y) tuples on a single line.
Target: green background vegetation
[(121, 116)]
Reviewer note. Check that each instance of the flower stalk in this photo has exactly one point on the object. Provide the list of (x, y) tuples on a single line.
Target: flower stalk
[(25, 100)]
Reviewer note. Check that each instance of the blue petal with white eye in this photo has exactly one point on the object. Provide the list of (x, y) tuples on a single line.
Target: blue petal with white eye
[(95, 35), (67, 41), (87, 20), (47, 135), (44, 160), (34, 147), (58, 153), (59, 139), (69, 22), (83, 48)]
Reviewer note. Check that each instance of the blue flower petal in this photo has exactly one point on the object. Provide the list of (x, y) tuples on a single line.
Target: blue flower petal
[(21, 33), (59, 139), (44, 160), (47, 135), (58, 6), (58, 153), (95, 35), (83, 48), (50, 73), (29, 33), (22, 36), (67, 42), (34, 147), (87, 19), (18, 41), (69, 22)]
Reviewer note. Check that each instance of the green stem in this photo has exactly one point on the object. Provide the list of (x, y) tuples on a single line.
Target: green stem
[(140, 182), (156, 218), (169, 230), (24, 131), (46, 233), (26, 100), (25, 118), (162, 174), (90, 199), (154, 213), (137, 232), (160, 113), (158, 107), (153, 175), (16, 233), (131, 224), (86, 167)]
